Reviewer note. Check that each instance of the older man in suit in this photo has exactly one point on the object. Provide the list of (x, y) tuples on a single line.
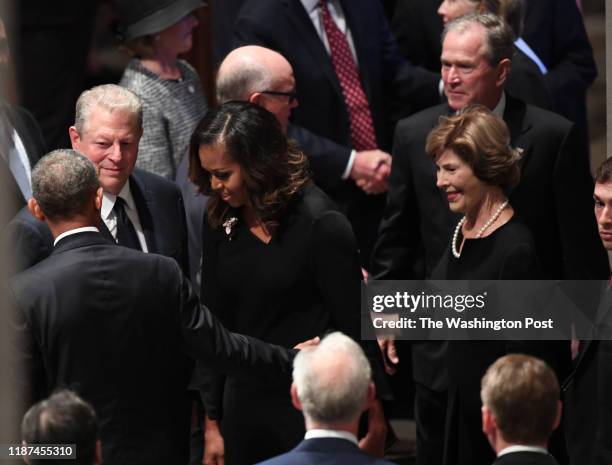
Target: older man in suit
[(332, 386), (112, 323), (521, 406), (352, 85), (417, 225), (139, 209)]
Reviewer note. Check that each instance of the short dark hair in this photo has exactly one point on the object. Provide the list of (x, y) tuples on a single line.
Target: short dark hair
[(63, 418), (480, 139), (63, 181), (274, 169), (522, 392), (604, 172)]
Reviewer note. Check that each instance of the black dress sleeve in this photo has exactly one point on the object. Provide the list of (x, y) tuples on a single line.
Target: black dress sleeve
[(208, 382), (337, 270)]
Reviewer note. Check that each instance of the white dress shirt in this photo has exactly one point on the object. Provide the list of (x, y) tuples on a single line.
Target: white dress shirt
[(19, 164), (70, 232), (331, 433), (519, 448), (109, 218)]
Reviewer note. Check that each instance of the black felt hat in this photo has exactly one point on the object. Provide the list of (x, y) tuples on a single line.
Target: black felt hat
[(139, 18)]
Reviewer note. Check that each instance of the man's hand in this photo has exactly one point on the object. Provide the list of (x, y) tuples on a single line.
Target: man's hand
[(389, 354), (370, 171), (214, 446), (373, 442), (309, 343)]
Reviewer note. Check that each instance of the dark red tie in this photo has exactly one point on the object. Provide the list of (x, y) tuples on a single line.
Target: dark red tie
[(362, 128)]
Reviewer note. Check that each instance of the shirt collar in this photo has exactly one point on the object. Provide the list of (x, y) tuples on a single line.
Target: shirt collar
[(331, 433), (310, 5), (70, 232), (108, 200), (519, 448), (501, 106)]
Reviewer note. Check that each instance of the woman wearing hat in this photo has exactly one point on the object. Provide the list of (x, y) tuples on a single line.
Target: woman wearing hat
[(156, 32)]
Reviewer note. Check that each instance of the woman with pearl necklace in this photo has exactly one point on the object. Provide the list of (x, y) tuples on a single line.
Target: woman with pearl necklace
[(475, 168)]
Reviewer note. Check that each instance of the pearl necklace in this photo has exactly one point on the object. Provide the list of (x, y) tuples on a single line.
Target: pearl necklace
[(481, 231)]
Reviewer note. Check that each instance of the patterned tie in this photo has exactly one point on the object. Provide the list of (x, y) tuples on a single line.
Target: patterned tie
[(126, 234), (362, 128)]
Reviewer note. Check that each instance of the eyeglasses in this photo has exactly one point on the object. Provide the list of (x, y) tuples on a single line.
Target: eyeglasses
[(292, 95)]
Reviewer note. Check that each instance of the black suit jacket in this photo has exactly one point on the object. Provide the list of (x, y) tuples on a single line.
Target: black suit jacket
[(162, 216), (325, 451), (29, 132), (113, 324), (555, 30), (525, 458), (393, 87)]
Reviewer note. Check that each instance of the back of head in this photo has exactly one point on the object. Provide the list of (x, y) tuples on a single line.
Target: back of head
[(499, 38), (482, 140), (63, 418), (64, 182), (332, 380), (110, 97), (523, 394)]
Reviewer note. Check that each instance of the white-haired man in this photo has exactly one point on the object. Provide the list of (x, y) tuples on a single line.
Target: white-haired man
[(332, 386)]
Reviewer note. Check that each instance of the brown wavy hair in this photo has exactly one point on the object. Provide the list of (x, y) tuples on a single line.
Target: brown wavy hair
[(274, 168), (480, 139)]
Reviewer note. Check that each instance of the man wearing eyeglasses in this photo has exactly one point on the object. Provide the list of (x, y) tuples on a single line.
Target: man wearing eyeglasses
[(352, 84)]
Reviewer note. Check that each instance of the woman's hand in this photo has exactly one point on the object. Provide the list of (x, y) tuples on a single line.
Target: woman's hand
[(214, 446)]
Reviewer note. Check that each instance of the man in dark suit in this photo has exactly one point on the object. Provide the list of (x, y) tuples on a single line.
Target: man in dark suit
[(521, 408), (21, 144), (108, 126), (355, 80), (418, 24), (112, 324), (417, 225), (587, 391), (332, 386), (555, 30)]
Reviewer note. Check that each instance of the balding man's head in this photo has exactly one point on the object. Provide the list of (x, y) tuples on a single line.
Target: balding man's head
[(332, 382), (261, 76)]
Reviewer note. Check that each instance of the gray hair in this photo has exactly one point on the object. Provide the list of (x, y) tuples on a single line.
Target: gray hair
[(332, 380), (63, 418), (499, 38), (239, 82), (111, 97), (63, 181)]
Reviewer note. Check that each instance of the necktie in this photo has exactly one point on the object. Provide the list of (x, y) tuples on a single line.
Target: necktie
[(362, 128), (126, 234)]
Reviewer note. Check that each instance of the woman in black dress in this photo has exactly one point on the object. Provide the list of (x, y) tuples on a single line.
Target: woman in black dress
[(280, 263), (475, 165)]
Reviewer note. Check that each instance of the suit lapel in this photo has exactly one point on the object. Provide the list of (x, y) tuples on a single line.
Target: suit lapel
[(32, 151), (143, 202), (310, 40), (514, 116)]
